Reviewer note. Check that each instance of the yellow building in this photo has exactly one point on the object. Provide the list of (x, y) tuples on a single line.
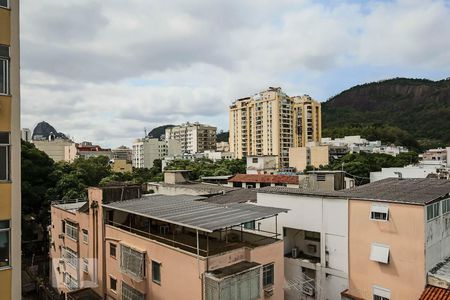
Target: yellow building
[(121, 166), (315, 156), (271, 122), (10, 135)]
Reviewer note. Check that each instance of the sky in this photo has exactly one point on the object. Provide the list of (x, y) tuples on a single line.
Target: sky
[(104, 71)]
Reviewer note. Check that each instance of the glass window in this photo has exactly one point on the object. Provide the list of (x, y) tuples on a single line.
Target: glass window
[(4, 3), (4, 244), (312, 236), (71, 257), (113, 284), (112, 250), (85, 236), (250, 225), (4, 75), (70, 282), (4, 156), (72, 230), (268, 275), (156, 272), (129, 293), (85, 265), (132, 262), (433, 210)]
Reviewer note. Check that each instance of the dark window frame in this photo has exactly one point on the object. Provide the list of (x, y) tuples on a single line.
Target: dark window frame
[(156, 270), (5, 227), (268, 275), (113, 253), (5, 145)]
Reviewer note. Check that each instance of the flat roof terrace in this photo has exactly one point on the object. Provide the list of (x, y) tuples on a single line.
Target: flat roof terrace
[(198, 227)]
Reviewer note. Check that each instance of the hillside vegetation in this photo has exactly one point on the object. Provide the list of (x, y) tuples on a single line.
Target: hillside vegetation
[(400, 110)]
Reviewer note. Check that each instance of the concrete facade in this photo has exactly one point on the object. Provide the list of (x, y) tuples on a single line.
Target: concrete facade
[(270, 122), (146, 151), (262, 164), (55, 149), (98, 236), (10, 169), (193, 137), (316, 227), (315, 156)]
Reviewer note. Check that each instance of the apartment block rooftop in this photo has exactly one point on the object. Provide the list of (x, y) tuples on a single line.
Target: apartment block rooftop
[(265, 178), (187, 211), (420, 191)]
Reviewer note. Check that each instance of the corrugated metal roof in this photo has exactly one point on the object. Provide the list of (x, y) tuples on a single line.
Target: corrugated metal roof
[(297, 191), (186, 211), (408, 190), (237, 196), (435, 293), (265, 178)]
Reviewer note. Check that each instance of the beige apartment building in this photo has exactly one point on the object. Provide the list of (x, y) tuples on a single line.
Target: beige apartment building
[(194, 137), (122, 245), (398, 233), (271, 122), (10, 143), (310, 155), (58, 149)]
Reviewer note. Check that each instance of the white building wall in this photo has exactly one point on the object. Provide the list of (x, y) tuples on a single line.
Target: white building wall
[(329, 216), (437, 239), (407, 172)]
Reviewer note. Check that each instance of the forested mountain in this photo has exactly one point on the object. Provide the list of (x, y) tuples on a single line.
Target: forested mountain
[(398, 110)]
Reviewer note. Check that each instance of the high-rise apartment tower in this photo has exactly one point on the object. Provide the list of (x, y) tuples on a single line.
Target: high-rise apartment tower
[(271, 122), (10, 136)]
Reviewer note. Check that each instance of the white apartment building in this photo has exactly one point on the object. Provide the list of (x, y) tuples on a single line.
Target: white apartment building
[(356, 144), (146, 151), (193, 137), (271, 122), (315, 233)]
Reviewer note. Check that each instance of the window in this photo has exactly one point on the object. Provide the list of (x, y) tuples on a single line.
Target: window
[(5, 236), (4, 66), (132, 262), (113, 284), (85, 236), (71, 257), (321, 177), (4, 3), (250, 225), (380, 293), (72, 230), (70, 282), (268, 275), (445, 206), (379, 253), (4, 156), (85, 265), (242, 286), (255, 160), (156, 272), (379, 212), (433, 210), (129, 293), (112, 250), (312, 236)]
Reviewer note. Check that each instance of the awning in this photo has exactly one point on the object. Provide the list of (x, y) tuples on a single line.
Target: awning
[(379, 253)]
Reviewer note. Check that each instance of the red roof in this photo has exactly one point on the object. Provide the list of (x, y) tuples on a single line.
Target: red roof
[(435, 293), (264, 178)]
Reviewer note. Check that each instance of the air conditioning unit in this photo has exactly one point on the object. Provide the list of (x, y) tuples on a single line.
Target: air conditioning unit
[(61, 261), (308, 290), (294, 252), (268, 291), (61, 235)]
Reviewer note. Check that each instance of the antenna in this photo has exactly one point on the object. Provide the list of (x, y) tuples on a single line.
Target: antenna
[(145, 131)]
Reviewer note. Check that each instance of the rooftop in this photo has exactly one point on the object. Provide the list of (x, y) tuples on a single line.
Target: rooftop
[(83, 294), (187, 211), (440, 273), (70, 206), (297, 191), (264, 178), (435, 293), (234, 269), (419, 191), (236, 196), (207, 188)]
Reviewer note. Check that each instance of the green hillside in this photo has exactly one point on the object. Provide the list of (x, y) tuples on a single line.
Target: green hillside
[(400, 110)]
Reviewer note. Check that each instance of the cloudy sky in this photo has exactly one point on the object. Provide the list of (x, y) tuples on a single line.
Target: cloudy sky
[(105, 70)]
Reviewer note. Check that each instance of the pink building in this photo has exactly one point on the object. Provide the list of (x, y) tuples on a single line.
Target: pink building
[(121, 245), (398, 233)]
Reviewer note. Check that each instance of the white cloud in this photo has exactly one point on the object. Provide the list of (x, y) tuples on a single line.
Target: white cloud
[(103, 71)]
